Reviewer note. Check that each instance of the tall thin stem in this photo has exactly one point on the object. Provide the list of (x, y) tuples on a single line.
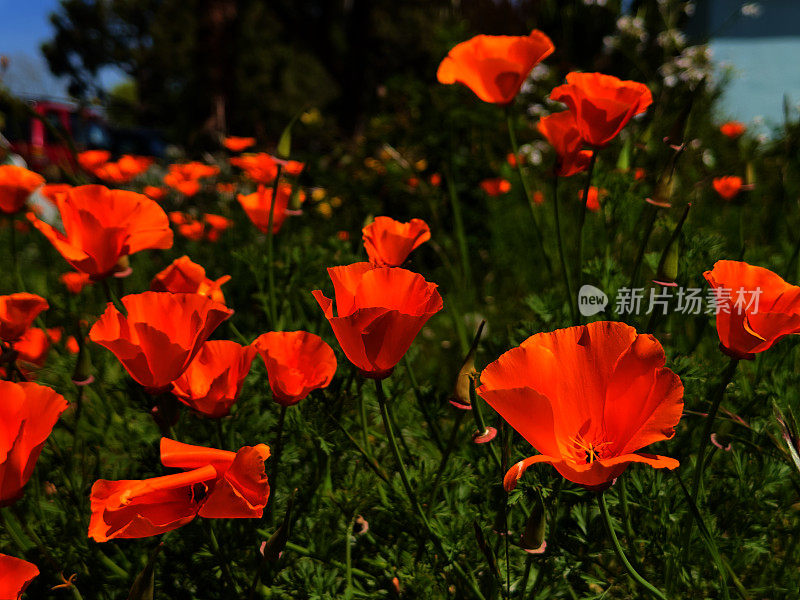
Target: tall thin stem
[(582, 218), (564, 270), (273, 306), (466, 271), (621, 554), (276, 461)]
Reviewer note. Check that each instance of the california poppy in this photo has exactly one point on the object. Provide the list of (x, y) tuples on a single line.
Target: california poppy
[(755, 307), (17, 312), (75, 281), (92, 159), (124, 169), (160, 335), (192, 230), (240, 489), (213, 380), (293, 167), (495, 66), (496, 187), (101, 226), (297, 363), (187, 277), (16, 184), (732, 129), (601, 104), (379, 312), (15, 575), (133, 508), (562, 133), (728, 187), (257, 206), (33, 346), (186, 177), (388, 242), (593, 198), (154, 193), (237, 144), (262, 168), (586, 398), (216, 225), (28, 413)]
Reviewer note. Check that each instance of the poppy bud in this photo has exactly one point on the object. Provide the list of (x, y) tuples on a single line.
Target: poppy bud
[(142, 587), (83, 368), (460, 398), (277, 541), (532, 539), (485, 548)]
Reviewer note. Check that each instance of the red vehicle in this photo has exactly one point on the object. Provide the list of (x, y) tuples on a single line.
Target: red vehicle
[(41, 146)]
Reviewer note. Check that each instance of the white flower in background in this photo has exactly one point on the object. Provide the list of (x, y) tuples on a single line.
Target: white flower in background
[(540, 71), (752, 10), (689, 9), (537, 110), (708, 158)]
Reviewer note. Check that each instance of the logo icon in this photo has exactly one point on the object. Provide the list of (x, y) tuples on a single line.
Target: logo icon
[(591, 300)]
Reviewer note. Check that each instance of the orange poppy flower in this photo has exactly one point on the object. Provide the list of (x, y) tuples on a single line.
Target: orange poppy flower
[(293, 167), (212, 381), (52, 191), (562, 133), (237, 144), (538, 197), (186, 277), (154, 193), (225, 188), (261, 168), (496, 187), (124, 169), (297, 363), (33, 346), (388, 242), (217, 224), (593, 201), (601, 104), (72, 345), (75, 281), (133, 508), (17, 312), (495, 66), (186, 177), (160, 335), (755, 307), (435, 179), (28, 413), (101, 226), (15, 576), (16, 184), (586, 398), (379, 312), (732, 129), (240, 489), (92, 159), (257, 206), (728, 187), (193, 230)]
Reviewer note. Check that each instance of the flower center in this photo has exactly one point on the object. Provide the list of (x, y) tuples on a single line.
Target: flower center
[(588, 451)]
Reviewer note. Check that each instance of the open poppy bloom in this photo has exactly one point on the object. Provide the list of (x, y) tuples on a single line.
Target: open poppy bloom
[(186, 177), (28, 413), (257, 206), (494, 67), (75, 281), (33, 346), (379, 312), (297, 363), (237, 144), (101, 226), (160, 335), (388, 242), (192, 230), (92, 159), (15, 575), (601, 104), (728, 187), (186, 277), (137, 508), (239, 490), (17, 312), (16, 184), (293, 167), (586, 398), (755, 307), (732, 129), (562, 133), (124, 169), (213, 380), (262, 168), (496, 187)]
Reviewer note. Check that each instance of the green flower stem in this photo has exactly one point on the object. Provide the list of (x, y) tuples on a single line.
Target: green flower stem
[(537, 231), (276, 462), (571, 300), (621, 555), (387, 423), (273, 306), (448, 450), (582, 218), (637, 266), (466, 271), (15, 257)]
